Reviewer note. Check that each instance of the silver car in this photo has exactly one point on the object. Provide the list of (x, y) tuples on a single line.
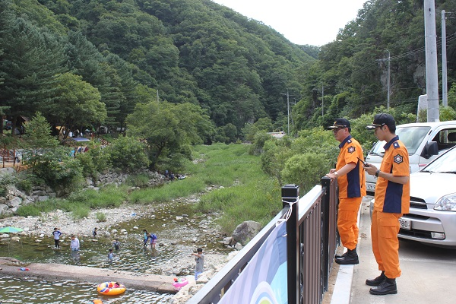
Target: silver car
[(432, 217)]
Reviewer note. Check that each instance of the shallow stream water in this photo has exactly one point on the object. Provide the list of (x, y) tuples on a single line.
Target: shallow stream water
[(16, 290), (176, 240)]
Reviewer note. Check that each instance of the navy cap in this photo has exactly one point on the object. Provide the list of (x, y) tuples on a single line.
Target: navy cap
[(340, 123), (383, 119)]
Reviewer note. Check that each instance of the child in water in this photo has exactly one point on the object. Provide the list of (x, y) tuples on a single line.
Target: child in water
[(116, 244), (110, 256), (153, 240), (146, 237), (74, 245), (56, 233)]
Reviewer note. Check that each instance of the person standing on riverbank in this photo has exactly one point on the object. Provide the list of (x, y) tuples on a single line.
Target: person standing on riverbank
[(94, 232), (74, 245), (56, 233), (199, 262)]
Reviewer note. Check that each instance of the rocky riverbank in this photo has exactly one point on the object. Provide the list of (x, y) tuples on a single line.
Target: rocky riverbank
[(180, 233), (182, 238)]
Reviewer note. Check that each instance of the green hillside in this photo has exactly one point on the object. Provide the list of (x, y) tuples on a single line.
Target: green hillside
[(189, 50)]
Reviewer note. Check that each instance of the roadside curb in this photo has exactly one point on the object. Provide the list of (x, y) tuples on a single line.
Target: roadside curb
[(342, 287)]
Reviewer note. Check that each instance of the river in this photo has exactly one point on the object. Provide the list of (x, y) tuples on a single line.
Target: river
[(180, 231)]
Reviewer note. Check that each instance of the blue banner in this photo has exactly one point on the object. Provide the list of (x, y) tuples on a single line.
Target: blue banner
[(264, 279)]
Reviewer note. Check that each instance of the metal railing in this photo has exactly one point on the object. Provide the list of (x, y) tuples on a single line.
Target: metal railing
[(312, 240)]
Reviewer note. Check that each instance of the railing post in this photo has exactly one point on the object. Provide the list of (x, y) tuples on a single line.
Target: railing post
[(325, 208), (290, 194)]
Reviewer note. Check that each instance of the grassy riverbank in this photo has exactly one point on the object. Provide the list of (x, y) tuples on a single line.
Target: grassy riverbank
[(243, 191), (248, 193)]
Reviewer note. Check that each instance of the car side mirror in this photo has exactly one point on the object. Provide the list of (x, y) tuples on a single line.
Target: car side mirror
[(431, 148)]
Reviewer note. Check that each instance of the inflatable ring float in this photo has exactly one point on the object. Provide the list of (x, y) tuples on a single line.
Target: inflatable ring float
[(179, 283), (111, 288)]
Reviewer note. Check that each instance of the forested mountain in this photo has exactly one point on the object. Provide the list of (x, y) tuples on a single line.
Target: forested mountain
[(353, 69), (125, 50), (89, 62)]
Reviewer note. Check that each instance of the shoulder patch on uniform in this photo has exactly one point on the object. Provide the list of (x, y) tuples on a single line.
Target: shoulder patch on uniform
[(398, 159), (396, 145), (351, 149)]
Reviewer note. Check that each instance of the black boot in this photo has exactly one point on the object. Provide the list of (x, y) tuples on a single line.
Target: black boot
[(388, 286), (349, 259), (377, 281), (338, 256)]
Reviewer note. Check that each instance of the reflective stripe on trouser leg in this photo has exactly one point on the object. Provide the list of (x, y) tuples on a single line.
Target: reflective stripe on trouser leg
[(385, 244), (347, 221)]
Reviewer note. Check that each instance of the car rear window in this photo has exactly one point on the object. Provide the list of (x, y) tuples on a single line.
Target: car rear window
[(412, 137)]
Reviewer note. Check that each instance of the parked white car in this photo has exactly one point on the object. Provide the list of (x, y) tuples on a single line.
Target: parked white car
[(424, 142), (432, 217)]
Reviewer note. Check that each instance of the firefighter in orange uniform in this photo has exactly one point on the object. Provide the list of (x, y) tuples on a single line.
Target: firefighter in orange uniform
[(351, 180), (392, 200)]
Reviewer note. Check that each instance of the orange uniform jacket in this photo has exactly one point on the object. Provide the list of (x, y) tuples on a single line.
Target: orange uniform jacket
[(392, 197), (352, 184)]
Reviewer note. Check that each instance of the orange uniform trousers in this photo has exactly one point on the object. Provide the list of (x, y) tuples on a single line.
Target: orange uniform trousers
[(347, 221), (385, 244)]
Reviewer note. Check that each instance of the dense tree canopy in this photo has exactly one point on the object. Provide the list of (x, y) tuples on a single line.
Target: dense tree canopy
[(188, 51), (196, 51), (168, 130)]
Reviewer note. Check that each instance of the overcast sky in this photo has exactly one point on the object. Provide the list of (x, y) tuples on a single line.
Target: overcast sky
[(314, 22)]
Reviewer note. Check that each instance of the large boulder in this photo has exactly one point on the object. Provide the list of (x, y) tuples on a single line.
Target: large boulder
[(15, 202), (245, 231), (3, 208)]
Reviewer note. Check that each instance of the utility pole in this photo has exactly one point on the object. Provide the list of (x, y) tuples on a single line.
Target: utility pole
[(389, 76), (432, 82), (444, 64), (288, 111), (322, 98), (388, 80)]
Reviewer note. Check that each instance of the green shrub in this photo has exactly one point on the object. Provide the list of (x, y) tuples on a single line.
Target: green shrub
[(58, 169), (127, 154), (80, 211), (25, 185), (140, 180), (5, 180), (88, 167), (305, 170), (29, 210), (101, 158), (101, 217), (109, 196)]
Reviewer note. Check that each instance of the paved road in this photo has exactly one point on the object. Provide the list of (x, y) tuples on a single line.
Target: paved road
[(428, 273)]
